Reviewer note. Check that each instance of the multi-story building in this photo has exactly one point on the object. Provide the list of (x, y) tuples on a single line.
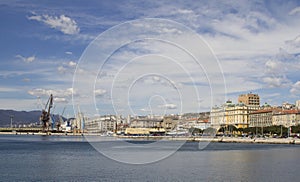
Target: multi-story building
[(249, 99), (287, 106), (232, 114), (286, 118), (146, 123), (169, 123), (237, 115), (262, 117), (101, 124), (217, 116)]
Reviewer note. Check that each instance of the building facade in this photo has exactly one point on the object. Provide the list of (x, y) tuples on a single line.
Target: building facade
[(146, 123), (262, 117), (217, 117), (169, 123), (249, 99), (237, 115), (286, 118), (232, 114), (101, 124)]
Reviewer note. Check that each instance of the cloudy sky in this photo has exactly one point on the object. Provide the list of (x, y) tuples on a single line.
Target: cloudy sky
[(247, 46)]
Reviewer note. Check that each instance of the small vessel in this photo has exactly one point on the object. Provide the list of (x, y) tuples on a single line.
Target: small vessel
[(178, 133)]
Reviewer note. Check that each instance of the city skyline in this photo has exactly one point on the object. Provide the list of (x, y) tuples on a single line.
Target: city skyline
[(256, 43)]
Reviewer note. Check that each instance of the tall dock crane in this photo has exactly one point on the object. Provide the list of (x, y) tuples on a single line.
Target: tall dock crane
[(45, 117)]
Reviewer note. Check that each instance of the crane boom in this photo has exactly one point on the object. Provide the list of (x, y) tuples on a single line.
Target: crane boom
[(45, 117)]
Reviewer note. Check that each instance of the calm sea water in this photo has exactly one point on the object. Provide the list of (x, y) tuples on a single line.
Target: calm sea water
[(61, 158)]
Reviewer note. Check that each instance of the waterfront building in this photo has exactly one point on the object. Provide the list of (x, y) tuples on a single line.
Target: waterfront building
[(232, 114), (93, 125), (145, 123), (286, 118), (194, 123), (169, 123), (237, 115), (102, 124), (249, 99), (262, 117), (186, 121), (217, 116)]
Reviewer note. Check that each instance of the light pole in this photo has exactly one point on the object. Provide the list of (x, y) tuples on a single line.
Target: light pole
[(11, 120)]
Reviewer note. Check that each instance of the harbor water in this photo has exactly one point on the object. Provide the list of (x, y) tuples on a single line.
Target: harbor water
[(70, 158)]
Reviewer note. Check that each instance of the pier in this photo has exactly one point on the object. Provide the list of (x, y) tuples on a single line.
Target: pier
[(38, 131), (218, 139)]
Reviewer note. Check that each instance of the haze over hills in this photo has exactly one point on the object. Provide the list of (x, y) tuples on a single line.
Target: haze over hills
[(19, 117)]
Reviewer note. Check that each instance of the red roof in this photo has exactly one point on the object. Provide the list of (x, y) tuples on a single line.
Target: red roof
[(266, 110), (289, 112)]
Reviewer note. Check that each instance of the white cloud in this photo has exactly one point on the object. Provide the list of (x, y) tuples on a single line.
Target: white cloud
[(274, 66), (237, 84), (168, 106), (59, 95), (72, 64), (185, 11), (281, 69), (67, 67), (60, 100), (277, 82), (99, 92), (61, 69), (295, 11), (293, 45), (26, 59), (69, 52), (62, 23), (295, 90), (39, 92)]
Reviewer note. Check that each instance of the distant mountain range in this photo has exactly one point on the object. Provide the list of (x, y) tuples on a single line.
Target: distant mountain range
[(19, 117)]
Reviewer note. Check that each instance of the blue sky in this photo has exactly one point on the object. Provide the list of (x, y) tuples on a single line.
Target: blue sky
[(257, 44)]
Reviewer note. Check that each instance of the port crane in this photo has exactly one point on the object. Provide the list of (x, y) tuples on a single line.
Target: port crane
[(45, 117)]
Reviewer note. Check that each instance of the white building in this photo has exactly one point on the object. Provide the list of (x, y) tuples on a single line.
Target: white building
[(298, 104), (101, 124), (232, 114), (287, 105), (286, 118), (262, 117), (217, 116)]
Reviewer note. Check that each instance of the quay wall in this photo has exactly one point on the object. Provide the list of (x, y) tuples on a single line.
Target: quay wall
[(172, 138)]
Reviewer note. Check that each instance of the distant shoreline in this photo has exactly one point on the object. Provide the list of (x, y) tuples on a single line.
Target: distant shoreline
[(172, 138)]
